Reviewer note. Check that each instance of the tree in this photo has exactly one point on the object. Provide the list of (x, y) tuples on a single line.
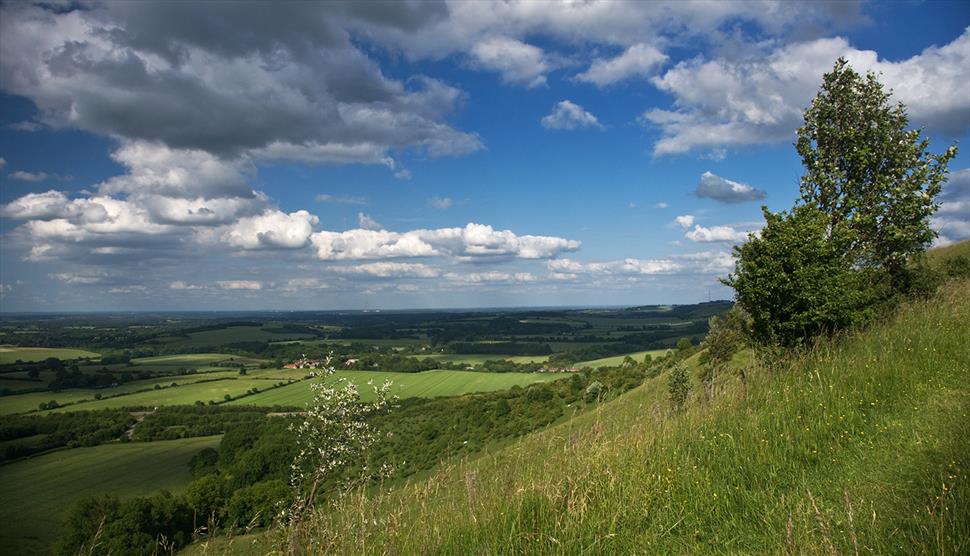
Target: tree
[(724, 338), (679, 386), (872, 177), (795, 281)]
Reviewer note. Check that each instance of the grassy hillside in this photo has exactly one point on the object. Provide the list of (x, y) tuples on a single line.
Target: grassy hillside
[(38, 492), (862, 446)]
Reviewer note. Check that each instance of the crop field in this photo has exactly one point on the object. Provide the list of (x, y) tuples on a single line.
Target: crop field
[(428, 384), (478, 359), (194, 359), (618, 359), (22, 403), (10, 354), (38, 492)]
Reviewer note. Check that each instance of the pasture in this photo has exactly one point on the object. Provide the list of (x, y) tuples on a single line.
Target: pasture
[(234, 334), (38, 492), (429, 384), (195, 360), (617, 360), (10, 354)]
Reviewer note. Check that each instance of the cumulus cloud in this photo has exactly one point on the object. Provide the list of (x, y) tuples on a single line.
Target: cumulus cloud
[(661, 205), (685, 220), (724, 190), (240, 284), (715, 234), (146, 74), (721, 103), (367, 223), (515, 61), (472, 241), (952, 219), (639, 60), (568, 115), (273, 229)]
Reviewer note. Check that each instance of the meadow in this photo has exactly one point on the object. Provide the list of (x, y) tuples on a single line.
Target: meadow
[(477, 359), (38, 492), (428, 384), (861, 445), (10, 354), (233, 334)]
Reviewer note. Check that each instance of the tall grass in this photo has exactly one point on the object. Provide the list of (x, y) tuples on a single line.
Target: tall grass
[(860, 446)]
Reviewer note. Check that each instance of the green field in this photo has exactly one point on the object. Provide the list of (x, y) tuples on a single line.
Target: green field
[(194, 359), (38, 492), (617, 360), (428, 384), (478, 359), (10, 354)]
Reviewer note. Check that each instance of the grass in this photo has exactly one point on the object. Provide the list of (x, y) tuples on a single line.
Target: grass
[(860, 446), (186, 394), (617, 360), (38, 492), (428, 384), (10, 354)]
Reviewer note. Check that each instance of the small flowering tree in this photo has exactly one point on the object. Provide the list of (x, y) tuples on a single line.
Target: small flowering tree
[(335, 433)]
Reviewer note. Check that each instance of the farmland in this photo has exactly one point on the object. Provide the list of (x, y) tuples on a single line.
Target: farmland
[(618, 359), (429, 384), (9, 354), (37, 492)]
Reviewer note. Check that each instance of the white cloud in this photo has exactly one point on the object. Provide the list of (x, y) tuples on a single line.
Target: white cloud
[(721, 103), (389, 270), (568, 115), (240, 284), (715, 234), (661, 205), (639, 60), (180, 285), (952, 220), (367, 223), (472, 241), (685, 220), (299, 284), (73, 279), (273, 229), (3, 162), (20, 175), (491, 276), (404, 174), (441, 203), (515, 61), (629, 266), (724, 190)]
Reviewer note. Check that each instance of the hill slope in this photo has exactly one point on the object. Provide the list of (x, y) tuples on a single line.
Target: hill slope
[(860, 446)]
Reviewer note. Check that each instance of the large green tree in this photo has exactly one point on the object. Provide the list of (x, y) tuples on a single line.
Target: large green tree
[(869, 172)]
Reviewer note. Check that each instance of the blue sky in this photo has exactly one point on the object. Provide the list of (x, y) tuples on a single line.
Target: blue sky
[(422, 155)]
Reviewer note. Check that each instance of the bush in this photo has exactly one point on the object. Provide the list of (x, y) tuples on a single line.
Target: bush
[(679, 386)]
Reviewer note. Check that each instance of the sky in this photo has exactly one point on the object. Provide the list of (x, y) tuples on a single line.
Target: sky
[(297, 156)]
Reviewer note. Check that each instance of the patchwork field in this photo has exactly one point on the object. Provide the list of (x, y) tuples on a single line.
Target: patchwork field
[(38, 492), (10, 354), (234, 334), (428, 384), (195, 359)]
